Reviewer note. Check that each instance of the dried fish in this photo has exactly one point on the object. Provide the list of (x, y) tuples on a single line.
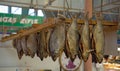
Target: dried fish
[(42, 47), (57, 40), (31, 45), (98, 36), (73, 40), (85, 39)]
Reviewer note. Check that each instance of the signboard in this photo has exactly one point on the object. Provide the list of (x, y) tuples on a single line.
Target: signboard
[(19, 20)]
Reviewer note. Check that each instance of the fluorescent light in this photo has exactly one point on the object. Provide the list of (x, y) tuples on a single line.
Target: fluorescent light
[(31, 12), (40, 13), (3, 9), (16, 10)]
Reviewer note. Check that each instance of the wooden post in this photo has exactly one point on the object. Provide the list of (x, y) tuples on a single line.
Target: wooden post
[(88, 7), (88, 64)]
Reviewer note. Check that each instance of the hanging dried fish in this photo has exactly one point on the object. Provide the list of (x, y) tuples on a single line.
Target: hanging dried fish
[(17, 45), (98, 37), (42, 50), (57, 39), (73, 40), (31, 45), (85, 39)]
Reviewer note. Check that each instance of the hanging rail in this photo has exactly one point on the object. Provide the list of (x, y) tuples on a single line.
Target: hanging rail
[(50, 24)]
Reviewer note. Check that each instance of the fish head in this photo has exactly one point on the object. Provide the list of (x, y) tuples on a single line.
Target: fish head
[(54, 57), (72, 56), (85, 56), (99, 57)]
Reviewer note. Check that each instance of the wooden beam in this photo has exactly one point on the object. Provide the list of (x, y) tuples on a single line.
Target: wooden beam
[(30, 31), (93, 22), (50, 23)]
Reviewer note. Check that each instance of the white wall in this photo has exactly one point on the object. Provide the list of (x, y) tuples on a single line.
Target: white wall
[(9, 59)]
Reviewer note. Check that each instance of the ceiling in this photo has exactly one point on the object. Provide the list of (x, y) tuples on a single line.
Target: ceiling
[(108, 6), (74, 5), (50, 8)]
